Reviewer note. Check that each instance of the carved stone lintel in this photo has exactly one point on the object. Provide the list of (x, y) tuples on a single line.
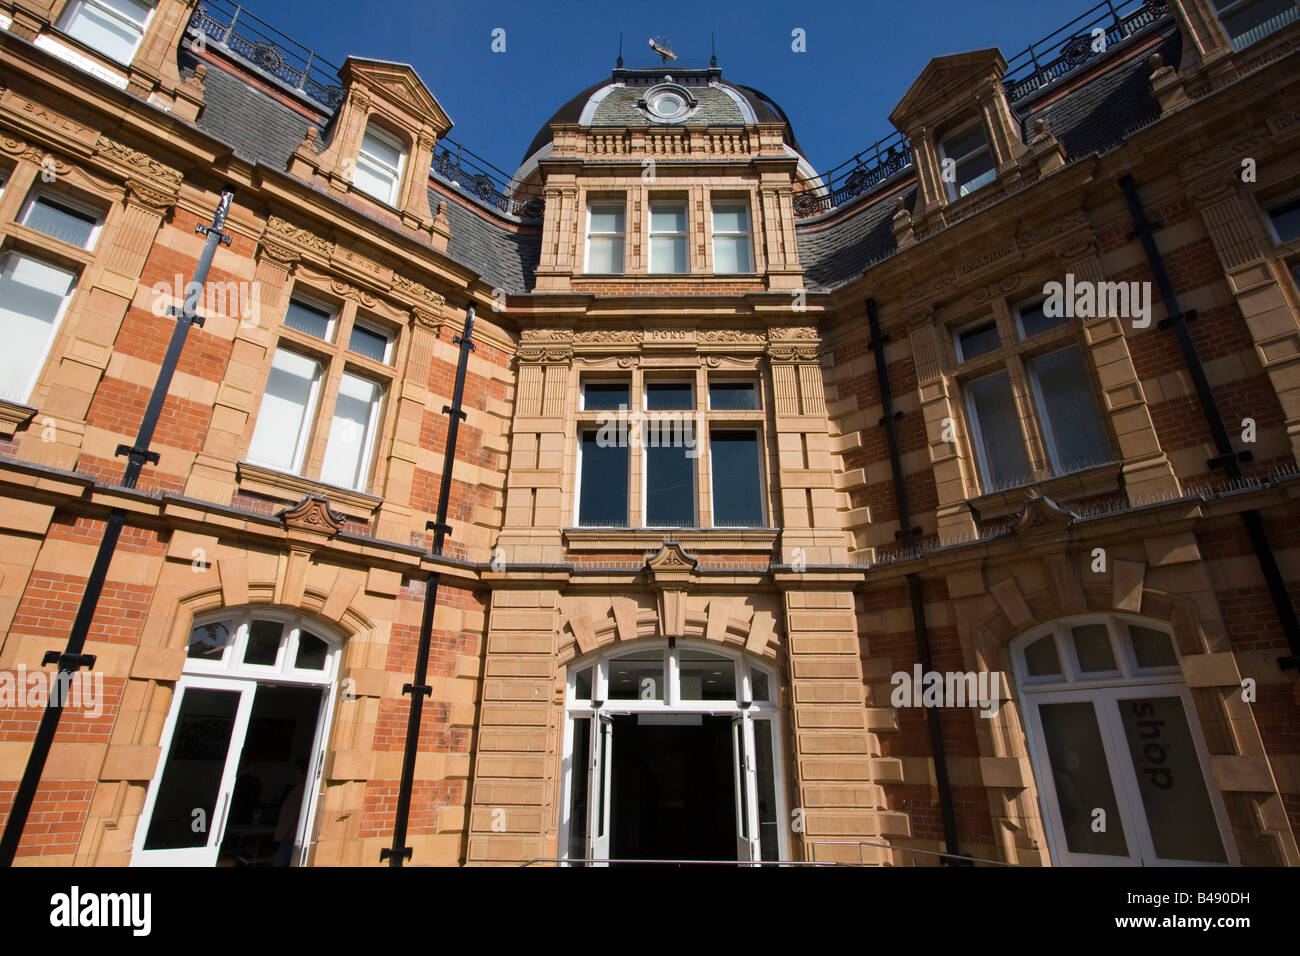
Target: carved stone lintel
[(278, 252), (146, 164), (416, 290), (426, 320), (293, 235), (145, 195), (544, 355), (312, 515), (796, 354)]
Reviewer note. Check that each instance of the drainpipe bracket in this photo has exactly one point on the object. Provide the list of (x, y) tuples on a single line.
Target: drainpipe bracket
[(1222, 461), (424, 690), (1187, 316), (884, 419)]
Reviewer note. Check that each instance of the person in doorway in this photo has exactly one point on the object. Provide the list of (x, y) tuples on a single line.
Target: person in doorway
[(286, 824)]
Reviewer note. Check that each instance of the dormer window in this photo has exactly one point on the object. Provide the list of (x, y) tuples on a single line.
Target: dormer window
[(967, 161), (1248, 21), (112, 27), (379, 165)]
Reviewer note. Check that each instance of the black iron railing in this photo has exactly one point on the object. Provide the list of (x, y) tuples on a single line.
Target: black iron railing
[(874, 165), (1078, 42), (237, 33)]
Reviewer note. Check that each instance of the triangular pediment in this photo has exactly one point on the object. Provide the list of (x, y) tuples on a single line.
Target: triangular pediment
[(400, 83), (944, 74)]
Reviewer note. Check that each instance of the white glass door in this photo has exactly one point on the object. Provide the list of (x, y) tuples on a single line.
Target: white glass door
[(746, 790), (185, 810), (598, 803)]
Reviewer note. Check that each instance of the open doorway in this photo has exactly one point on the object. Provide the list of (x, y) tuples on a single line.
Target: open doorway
[(672, 788)]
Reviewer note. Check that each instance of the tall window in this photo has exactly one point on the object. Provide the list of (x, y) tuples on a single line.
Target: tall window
[(1248, 21), (664, 434), (1026, 386), (668, 251), (112, 27), (379, 165), (966, 161), (1116, 749), (731, 245), (323, 400), (606, 235), (34, 296), (669, 459)]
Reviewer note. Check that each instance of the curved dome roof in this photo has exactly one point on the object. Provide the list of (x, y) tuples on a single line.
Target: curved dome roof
[(717, 102)]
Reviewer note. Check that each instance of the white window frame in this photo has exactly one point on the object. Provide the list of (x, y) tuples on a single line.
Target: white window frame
[(744, 706), (685, 235), (231, 674), (392, 141), (318, 305), (593, 205), (377, 329), (980, 451), (1020, 325), (979, 323), (65, 22), (303, 438), (747, 234), (1272, 226), (954, 188), (1103, 690), (693, 411), (62, 199), (369, 440), (1242, 5), (1040, 407), (55, 326)]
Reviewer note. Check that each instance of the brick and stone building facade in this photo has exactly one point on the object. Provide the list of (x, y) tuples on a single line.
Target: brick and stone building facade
[(897, 461)]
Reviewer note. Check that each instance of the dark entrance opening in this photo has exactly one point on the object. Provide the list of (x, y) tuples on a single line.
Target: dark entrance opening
[(672, 788), (271, 781)]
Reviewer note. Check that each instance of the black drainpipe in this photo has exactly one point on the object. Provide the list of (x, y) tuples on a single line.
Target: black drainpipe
[(1227, 458), (906, 533)]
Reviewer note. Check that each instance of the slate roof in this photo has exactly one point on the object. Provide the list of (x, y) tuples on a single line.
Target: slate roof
[(839, 253), (618, 108), (1092, 118), (263, 130)]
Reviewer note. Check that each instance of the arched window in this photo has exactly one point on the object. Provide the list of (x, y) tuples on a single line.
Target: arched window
[(1116, 747), (242, 745), (672, 751)]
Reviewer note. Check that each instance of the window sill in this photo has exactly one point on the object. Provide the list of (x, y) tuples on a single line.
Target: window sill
[(1085, 483), (12, 415), (260, 480), (692, 539)]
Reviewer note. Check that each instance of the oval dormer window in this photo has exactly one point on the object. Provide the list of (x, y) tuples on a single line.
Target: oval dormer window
[(668, 103)]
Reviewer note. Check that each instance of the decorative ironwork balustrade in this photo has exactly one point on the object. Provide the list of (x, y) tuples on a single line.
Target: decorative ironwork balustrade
[(1078, 42), (874, 165)]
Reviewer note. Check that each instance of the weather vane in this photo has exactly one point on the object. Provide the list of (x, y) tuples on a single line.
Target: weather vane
[(660, 46)]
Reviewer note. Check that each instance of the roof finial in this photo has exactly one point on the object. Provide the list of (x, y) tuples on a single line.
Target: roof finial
[(713, 43), (618, 65)]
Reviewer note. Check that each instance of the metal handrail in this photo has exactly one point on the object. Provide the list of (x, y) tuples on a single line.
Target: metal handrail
[(592, 859), (890, 846)]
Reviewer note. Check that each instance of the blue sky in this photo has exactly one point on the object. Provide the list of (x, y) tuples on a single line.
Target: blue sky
[(861, 57)]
